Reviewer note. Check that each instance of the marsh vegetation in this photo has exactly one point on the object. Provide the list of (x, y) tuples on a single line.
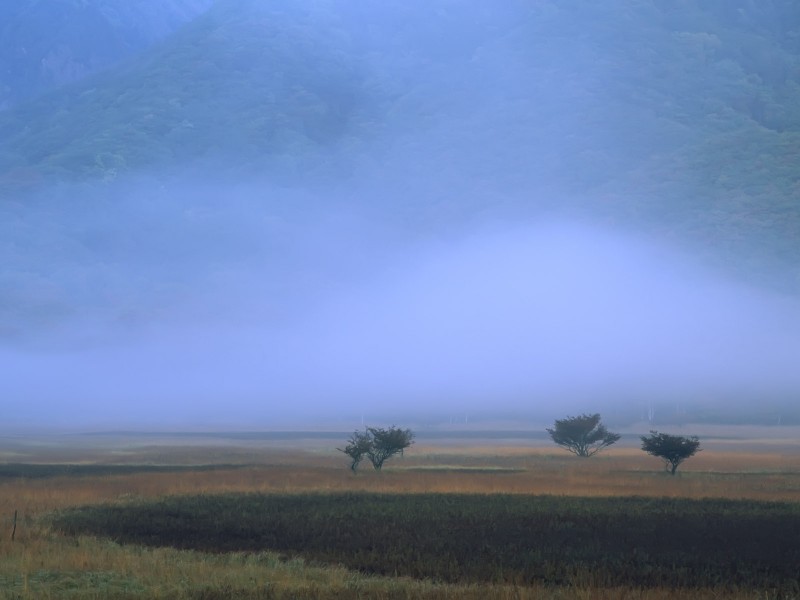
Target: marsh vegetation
[(478, 538), (462, 519)]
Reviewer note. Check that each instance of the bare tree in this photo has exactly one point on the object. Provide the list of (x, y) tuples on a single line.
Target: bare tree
[(673, 449), (583, 435)]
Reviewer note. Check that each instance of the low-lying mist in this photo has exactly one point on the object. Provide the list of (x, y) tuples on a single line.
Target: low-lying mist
[(197, 307)]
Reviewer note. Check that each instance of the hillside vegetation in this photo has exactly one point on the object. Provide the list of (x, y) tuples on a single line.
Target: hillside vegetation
[(47, 44), (682, 118)]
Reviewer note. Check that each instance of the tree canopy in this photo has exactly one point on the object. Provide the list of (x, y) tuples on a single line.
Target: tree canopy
[(583, 435), (673, 449), (358, 446), (377, 444)]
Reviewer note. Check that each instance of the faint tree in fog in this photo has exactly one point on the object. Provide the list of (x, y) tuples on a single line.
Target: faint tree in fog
[(377, 444), (583, 435), (673, 449)]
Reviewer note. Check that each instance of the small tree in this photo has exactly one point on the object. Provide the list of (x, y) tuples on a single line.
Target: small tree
[(583, 435), (358, 446), (388, 442), (673, 449), (377, 444)]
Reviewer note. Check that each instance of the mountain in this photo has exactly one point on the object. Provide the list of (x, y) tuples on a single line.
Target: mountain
[(48, 43), (682, 118), (245, 80)]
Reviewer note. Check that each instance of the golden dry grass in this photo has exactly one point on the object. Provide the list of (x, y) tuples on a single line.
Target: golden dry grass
[(41, 563)]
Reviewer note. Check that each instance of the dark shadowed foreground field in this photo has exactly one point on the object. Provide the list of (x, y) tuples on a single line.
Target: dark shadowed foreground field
[(498, 538)]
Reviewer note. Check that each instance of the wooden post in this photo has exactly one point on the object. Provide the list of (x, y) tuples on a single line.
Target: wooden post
[(14, 529)]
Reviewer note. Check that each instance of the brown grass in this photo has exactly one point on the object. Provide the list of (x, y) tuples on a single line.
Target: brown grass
[(40, 563)]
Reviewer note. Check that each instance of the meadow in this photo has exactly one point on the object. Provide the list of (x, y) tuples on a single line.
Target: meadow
[(122, 517)]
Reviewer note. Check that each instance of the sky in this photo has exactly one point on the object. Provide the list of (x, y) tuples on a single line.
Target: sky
[(193, 302)]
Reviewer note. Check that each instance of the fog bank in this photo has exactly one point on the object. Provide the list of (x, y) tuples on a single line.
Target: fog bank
[(308, 319)]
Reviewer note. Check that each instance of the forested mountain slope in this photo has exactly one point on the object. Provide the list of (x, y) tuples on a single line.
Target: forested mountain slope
[(45, 44), (242, 81), (681, 117)]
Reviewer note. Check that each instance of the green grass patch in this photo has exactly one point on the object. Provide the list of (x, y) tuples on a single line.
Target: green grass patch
[(67, 584), (631, 541)]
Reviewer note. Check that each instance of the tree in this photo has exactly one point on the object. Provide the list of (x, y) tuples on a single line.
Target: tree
[(388, 442), (377, 444), (583, 435), (673, 449), (359, 445)]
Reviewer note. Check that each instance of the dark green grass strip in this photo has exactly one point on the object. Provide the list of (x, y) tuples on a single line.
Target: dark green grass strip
[(43, 471), (641, 542)]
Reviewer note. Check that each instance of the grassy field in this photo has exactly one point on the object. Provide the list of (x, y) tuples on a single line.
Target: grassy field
[(41, 476)]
